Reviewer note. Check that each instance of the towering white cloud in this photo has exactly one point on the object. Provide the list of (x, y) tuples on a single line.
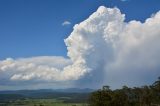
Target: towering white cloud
[(102, 49)]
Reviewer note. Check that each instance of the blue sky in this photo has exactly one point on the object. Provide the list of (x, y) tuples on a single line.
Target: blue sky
[(34, 27), (78, 43)]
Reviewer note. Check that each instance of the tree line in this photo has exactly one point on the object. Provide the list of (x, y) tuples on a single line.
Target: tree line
[(136, 96)]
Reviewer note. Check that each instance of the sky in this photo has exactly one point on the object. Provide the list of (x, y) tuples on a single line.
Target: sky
[(78, 43)]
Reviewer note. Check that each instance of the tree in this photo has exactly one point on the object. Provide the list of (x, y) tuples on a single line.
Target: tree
[(155, 90), (137, 96), (145, 99), (156, 85), (119, 98), (101, 97)]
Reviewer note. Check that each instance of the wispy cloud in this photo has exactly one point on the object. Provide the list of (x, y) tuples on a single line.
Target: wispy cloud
[(66, 23), (123, 0)]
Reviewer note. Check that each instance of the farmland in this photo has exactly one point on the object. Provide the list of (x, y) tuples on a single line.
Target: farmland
[(40, 102)]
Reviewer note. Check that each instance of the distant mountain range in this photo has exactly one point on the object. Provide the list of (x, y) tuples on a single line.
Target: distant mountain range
[(74, 94), (67, 90)]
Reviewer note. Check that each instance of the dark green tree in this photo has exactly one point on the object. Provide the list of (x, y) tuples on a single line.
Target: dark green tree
[(101, 97), (137, 96), (120, 98)]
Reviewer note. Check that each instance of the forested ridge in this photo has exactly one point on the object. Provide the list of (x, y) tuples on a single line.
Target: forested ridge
[(136, 96)]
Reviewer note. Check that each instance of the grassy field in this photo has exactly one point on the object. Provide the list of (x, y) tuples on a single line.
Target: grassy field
[(40, 102)]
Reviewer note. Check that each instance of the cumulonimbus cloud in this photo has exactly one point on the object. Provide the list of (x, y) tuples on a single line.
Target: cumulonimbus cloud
[(101, 49)]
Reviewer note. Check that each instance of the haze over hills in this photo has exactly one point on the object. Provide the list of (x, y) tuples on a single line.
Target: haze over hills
[(67, 90), (74, 95)]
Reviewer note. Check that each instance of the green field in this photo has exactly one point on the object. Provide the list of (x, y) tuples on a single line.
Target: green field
[(40, 102)]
